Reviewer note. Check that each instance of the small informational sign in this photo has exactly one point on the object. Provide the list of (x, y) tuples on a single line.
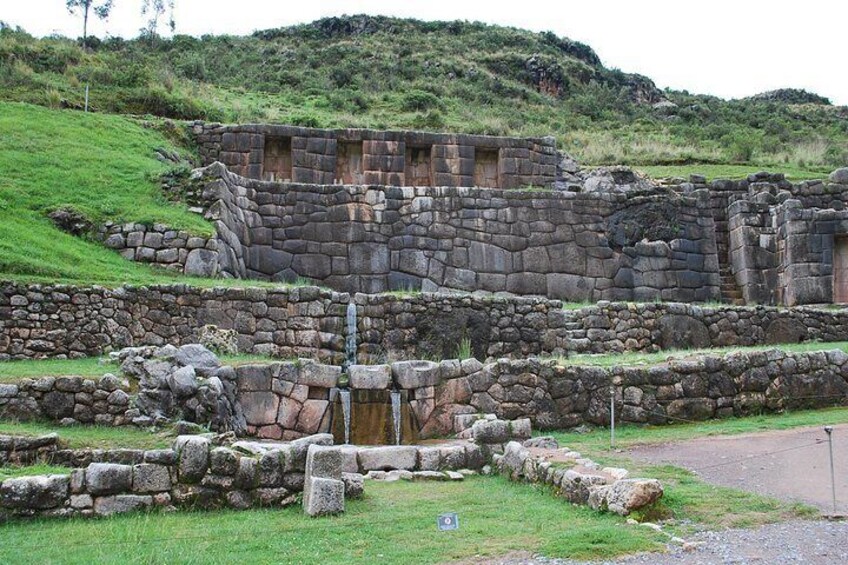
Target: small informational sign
[(448, 521)]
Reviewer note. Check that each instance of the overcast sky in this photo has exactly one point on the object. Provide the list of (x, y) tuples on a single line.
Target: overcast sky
[(730, 48)]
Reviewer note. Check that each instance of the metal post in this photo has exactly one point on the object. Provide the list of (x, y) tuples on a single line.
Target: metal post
[(829, 431), (612, 417), (86, 98)]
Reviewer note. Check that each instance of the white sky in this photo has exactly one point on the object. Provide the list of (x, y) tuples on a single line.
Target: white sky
[(730, 48)]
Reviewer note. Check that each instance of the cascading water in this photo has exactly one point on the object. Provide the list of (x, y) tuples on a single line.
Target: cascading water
[(350, 341), (396, 415), (344, 396)]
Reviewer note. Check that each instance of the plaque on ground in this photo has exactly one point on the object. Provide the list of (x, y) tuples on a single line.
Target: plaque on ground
[(448, 521)]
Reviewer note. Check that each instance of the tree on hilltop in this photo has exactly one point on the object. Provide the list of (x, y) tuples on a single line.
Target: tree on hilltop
[(86, 7), (154, 10)]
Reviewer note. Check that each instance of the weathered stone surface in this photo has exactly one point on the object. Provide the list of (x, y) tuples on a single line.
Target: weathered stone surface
[(318, 375), (183, 381), (415, 374), (118, 504), (201, 263), (193, 459), (388, 457), (324, 461), (37, 492), (839, 176), (491, 431), (354, 485), (149, 478), (370, 376), (108, 478), (326, 497), (626, 495), (197, 356)]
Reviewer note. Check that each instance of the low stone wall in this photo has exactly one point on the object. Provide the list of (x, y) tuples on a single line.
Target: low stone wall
[(164, 247), (16, 450), (698, 388), (579, 480), (103, 401), (39, 321), (193, 474)]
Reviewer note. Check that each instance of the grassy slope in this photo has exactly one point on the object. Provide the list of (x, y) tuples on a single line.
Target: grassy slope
[(100, 165), (457, 76)]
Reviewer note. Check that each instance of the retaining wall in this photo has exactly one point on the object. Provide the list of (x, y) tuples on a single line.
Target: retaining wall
[(563, 245), (194, 474), (697, 388), (38, 321), (103, 401)]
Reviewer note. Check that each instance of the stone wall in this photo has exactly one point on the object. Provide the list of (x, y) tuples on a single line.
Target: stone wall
[(697, 388), (164, 247), (57, 320), (564, 245), (194, 474), (17, 450), (103, 401), (358, 156), (783, 242)]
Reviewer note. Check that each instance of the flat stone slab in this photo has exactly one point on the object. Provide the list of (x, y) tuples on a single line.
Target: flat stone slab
[(401, 457)]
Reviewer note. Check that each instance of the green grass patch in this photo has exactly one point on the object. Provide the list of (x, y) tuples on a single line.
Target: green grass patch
[(11, 371), (95, 437), (28, 470), (635, 358), (393, 523)]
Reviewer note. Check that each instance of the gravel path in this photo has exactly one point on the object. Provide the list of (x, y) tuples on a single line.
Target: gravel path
[(790, 465), (796, 542)]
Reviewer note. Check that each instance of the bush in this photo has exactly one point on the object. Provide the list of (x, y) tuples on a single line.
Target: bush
[(420, 101)]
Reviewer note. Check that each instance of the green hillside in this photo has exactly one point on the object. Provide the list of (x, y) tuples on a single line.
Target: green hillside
[(102, 166), (457, 76)]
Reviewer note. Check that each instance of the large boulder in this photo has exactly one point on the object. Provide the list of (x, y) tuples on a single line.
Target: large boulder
[(195, 355), (839, 176), (201, 263), (624, 496), (118, 504), (183, 381), (193, 458)]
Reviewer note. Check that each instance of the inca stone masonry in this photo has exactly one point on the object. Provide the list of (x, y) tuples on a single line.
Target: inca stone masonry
[(370, 211)]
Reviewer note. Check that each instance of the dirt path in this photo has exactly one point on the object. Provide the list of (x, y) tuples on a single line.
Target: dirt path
[(788, 464)]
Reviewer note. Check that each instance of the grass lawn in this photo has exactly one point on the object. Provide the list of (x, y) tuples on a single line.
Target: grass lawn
[(393, 523), (631, 359), (95, 437), (37, 469)]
